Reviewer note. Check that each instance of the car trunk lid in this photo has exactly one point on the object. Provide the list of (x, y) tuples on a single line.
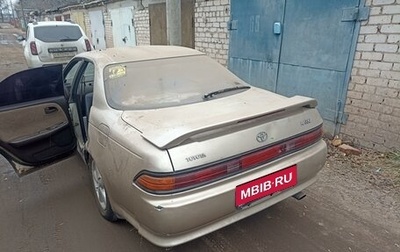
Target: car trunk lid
[(57, 51), (207, 132)]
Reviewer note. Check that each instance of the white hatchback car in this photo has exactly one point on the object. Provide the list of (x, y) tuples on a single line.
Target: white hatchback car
[(53, 42)]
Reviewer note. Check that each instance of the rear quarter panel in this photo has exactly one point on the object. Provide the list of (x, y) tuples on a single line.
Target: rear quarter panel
[(120, 154)]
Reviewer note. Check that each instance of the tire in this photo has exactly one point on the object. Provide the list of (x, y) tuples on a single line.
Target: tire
[(100, 193)]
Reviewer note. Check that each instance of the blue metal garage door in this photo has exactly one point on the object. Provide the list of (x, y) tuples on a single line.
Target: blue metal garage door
[(297, 47)]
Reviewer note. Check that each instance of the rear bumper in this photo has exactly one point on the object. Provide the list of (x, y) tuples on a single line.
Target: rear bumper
[(34, 61), (169, 220)]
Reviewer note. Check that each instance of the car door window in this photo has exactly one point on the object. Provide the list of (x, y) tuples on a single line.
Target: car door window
[(31, 85), (86, 80), (80, 101), (70, 72), (82, 83)]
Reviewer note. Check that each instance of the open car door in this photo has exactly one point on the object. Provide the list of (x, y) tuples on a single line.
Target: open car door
[(35, 128)]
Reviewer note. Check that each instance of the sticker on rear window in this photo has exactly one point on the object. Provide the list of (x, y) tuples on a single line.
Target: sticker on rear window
[(116, 72)]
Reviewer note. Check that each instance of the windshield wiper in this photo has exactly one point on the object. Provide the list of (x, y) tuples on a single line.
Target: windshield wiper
[(211, 94)]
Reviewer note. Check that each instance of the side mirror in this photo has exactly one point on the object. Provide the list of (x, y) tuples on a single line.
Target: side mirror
[(20, 38)]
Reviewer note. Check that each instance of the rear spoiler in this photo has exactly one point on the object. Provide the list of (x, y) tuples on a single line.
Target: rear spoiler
[(168, 138)]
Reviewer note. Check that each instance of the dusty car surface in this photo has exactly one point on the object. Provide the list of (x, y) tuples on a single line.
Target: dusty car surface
[(176, 144)]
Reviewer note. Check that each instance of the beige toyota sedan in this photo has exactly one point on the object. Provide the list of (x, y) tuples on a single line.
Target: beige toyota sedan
[(176, 144)]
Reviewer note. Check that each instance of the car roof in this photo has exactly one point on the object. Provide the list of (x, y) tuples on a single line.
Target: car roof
[(137, 53), (51, 23)]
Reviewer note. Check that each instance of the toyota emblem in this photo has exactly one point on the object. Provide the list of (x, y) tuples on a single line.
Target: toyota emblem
[(262, 137)]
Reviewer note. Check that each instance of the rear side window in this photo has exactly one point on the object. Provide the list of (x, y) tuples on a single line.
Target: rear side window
[(57, 33)]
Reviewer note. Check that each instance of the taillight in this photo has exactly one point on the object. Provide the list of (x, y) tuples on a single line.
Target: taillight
[(33, 47), (88, 46), (155, 183), (174, 182)]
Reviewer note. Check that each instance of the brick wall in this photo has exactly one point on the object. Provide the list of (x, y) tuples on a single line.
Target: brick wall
[(211, 32), (108, 32), (88, 26), (373, 100), (141, 21)]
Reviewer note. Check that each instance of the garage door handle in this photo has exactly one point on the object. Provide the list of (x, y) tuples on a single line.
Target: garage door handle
[(49, 110), (277, 28)]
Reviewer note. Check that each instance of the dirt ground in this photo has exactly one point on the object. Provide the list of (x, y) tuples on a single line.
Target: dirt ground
[(11, 58), (371, 179), (354, 206), (381, 170)]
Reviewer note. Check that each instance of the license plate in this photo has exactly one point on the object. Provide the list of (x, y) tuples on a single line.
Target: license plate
[(63, 54), (265, 186)]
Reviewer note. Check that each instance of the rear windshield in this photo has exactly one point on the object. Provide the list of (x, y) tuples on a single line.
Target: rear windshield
[(166, 82), (58, 33)]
